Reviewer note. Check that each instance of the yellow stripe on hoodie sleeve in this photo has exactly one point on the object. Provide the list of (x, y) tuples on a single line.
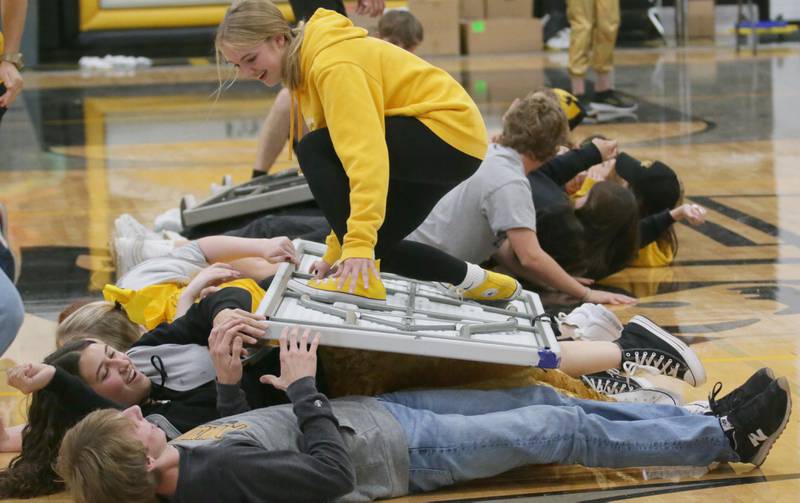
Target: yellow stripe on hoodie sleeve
[(353, 107)]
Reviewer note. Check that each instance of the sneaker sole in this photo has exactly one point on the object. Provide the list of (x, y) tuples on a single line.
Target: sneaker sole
[(696, 370), (763, 451), (602, 107), (328, 296)]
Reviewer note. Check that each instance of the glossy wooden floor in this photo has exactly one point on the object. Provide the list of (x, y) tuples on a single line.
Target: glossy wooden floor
[(79, 150)]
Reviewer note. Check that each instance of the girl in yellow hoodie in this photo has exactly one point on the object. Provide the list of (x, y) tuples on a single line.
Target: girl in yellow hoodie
[(390, 135)]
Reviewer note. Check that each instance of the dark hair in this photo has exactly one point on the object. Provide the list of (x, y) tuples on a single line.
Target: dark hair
[(31, 473), (401, 28), (610, 220), (561, 235)]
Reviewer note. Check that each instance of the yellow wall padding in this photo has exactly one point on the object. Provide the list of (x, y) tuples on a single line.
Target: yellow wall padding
[(94, 18)]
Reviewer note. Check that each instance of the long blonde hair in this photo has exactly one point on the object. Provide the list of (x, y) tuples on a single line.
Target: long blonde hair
[(99, 320), (249, 23)]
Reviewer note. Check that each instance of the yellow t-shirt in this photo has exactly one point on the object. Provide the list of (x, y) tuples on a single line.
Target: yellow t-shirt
[(156, 304)]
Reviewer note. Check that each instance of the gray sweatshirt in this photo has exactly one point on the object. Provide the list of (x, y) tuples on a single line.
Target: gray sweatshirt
[(350, 449)]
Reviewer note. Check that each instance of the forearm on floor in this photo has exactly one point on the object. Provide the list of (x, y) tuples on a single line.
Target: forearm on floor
[(542, 268)]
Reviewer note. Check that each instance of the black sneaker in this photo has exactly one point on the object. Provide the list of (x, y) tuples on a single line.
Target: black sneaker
[(757, 383), (612, 101), (754, 426), (612, 382), (645, 344)]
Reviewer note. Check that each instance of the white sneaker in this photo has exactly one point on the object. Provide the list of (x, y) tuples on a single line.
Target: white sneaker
[(655, 396), (130, 252), (126, 226), (590, 322), (170, 220), (559, 41), (698, 408)]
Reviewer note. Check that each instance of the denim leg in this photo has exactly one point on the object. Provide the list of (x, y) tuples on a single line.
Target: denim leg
[(11, 312), (469, 402), (450, 448)]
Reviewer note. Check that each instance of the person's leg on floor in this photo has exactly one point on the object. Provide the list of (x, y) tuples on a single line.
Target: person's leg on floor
[(450, 448), (292, 226), (469, 402)]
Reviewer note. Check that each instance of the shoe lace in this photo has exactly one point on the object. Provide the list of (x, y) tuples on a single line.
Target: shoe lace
[(609, 386), (712, 396), (663, 364)]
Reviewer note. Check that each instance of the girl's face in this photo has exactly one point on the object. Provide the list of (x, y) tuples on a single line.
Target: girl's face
[(111, 374), (262, 62)]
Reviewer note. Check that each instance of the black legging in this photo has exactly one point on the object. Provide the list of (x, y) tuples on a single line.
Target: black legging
[(422, 169)]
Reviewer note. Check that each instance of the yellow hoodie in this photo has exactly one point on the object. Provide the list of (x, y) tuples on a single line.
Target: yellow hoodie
[(350, 83)]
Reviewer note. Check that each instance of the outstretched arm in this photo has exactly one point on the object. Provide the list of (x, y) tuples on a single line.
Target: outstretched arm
[(322, 471), (526, 258), (228, 248)]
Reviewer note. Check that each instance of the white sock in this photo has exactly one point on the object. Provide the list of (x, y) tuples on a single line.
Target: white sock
[(475, 276)]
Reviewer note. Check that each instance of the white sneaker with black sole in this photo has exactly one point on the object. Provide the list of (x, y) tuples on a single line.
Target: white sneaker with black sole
[(645, 344)]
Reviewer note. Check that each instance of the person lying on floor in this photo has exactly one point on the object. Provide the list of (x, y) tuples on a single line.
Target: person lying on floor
[(162, 287), (495, 203), (578, 192), (173, 372), (58, 387), (368, 448)]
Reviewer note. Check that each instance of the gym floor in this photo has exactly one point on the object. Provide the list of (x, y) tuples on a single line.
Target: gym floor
[(79, 149)]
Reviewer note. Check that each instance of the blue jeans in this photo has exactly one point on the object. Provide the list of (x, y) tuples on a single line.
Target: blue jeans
[(459, 435), (11, 312)]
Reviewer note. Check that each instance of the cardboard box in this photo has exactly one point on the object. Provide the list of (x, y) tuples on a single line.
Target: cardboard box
[(439, 19), (509, 9), (366, 22), (501, 87), (472, 9), (701, 18), (493, 36)]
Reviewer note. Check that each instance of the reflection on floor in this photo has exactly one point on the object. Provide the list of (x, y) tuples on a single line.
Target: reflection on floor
[(77, 151)]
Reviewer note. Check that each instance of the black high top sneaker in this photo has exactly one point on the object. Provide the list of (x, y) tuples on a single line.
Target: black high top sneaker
[(757, 383), (756, 424), (627, 388), (645, 344)]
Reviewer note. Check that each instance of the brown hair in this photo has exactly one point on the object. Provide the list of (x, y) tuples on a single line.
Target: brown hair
[(535, 125), (101, 461), (610, 220), (401, 28), (100, 320), (249, 23)]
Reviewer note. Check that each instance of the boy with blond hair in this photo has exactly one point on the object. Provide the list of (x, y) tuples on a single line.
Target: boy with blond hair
[(495, 203)]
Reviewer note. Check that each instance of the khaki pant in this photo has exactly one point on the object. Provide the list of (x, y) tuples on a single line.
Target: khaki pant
[(594, 32)]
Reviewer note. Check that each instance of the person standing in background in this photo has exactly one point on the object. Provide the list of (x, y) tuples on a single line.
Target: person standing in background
[(594, 26)]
